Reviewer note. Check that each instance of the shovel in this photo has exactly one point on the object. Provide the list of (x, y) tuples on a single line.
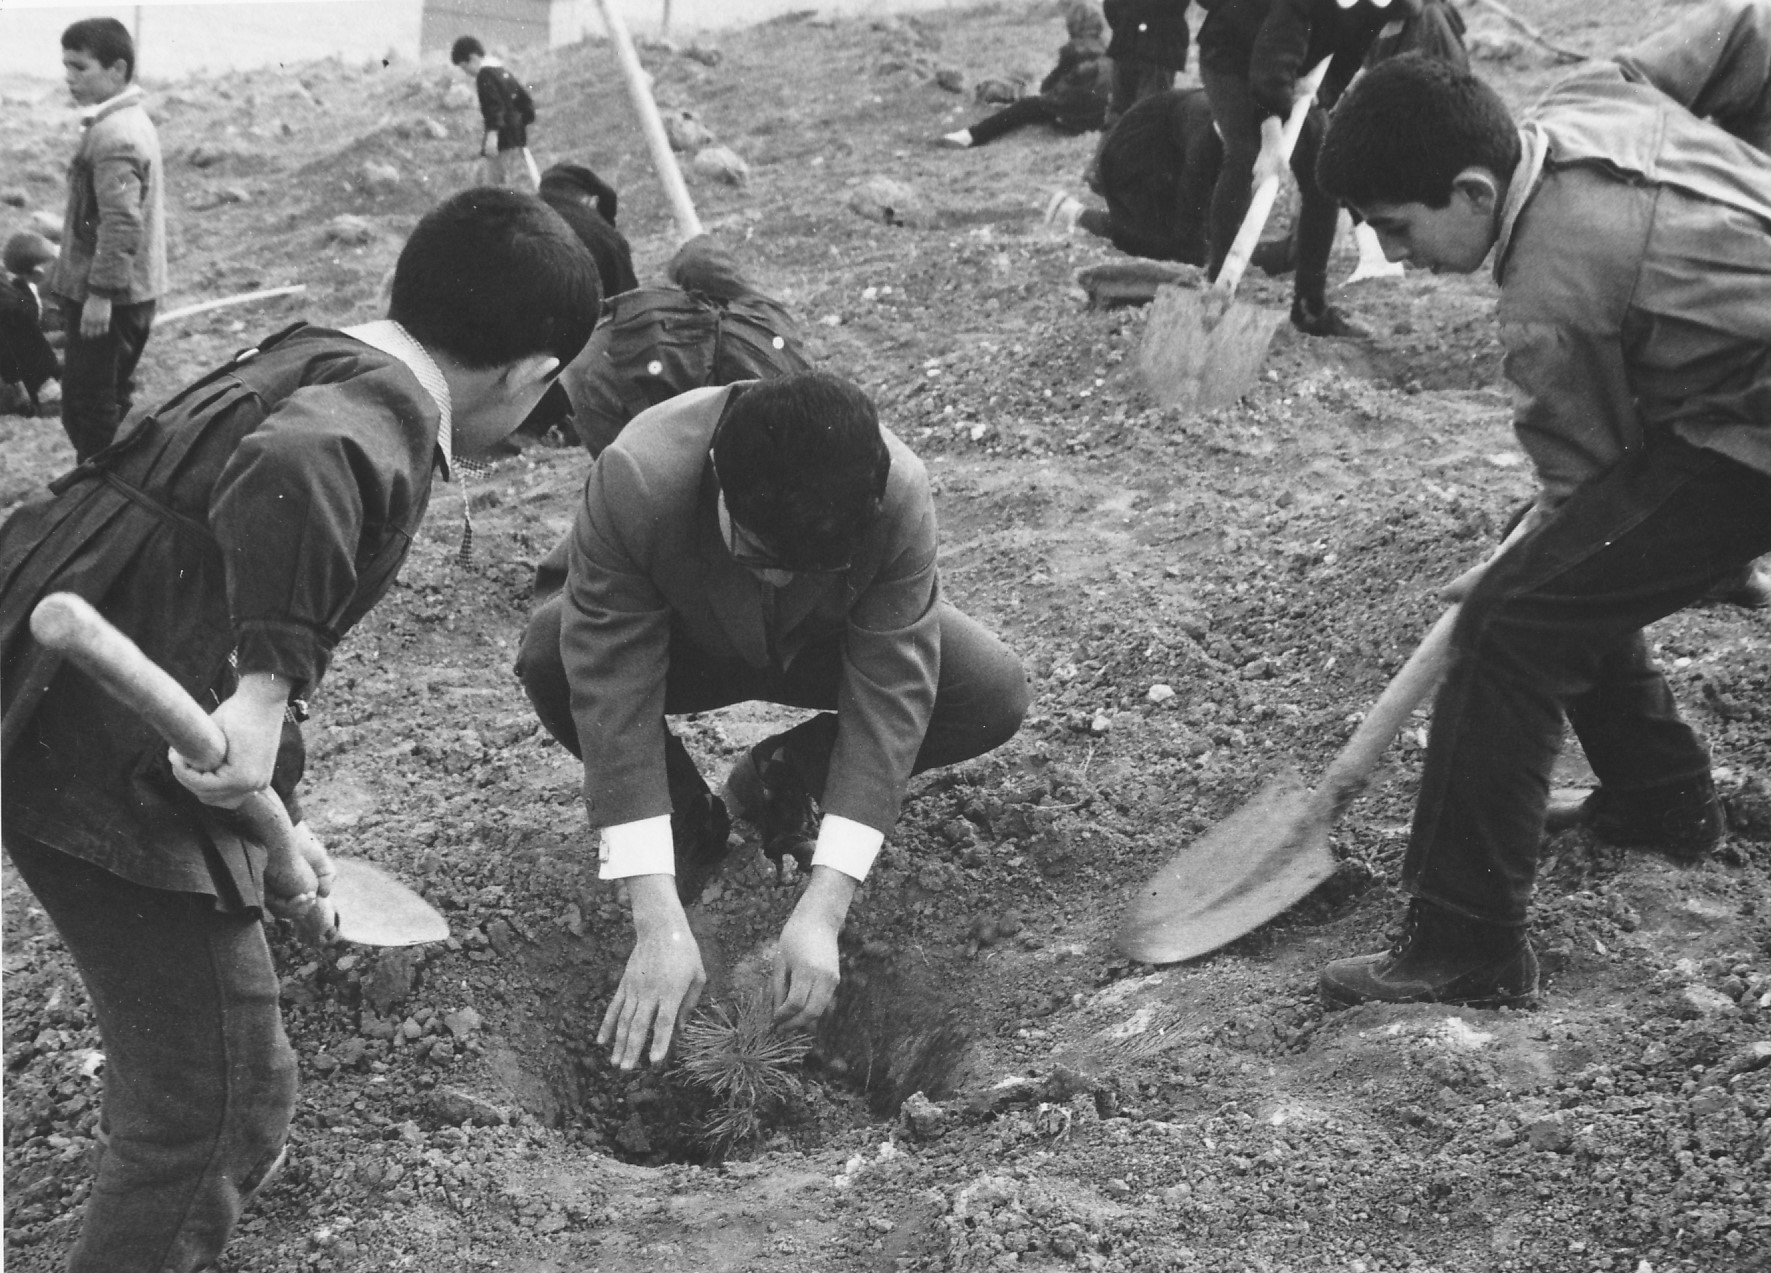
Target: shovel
[(1203, 350), (682, 208), (1272, 851), (364, 904)]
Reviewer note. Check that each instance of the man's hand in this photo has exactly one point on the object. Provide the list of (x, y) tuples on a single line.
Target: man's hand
[(663, 979), (95, 317), (1272, 159), (252, 722), (806, 965)]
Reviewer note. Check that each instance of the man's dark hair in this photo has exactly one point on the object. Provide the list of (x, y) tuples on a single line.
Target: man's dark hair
[(464, 48), (1407, 128), (491, 276), (803, 465), (106, 39)]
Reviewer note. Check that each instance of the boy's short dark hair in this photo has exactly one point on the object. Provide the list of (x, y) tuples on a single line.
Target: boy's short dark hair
[(25, 251), (803, 465), (106, 39), (465, 48), (491, 276), (1405, 130)]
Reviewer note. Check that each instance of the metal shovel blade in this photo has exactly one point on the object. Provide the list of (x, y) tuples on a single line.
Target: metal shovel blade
[(1200, 354), (1259, 861), (375, 909)]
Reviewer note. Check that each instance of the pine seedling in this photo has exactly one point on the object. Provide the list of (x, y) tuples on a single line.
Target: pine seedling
[(737, 1056)]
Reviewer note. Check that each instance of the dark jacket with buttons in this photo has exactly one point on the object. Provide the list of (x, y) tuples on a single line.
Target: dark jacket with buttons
[(1152, 31)]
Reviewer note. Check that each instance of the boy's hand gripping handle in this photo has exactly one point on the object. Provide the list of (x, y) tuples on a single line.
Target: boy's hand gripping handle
[(68, 624)]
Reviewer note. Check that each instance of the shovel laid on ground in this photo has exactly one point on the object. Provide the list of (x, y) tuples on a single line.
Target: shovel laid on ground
[(1273, 851), (1203, 349), (364, 904)]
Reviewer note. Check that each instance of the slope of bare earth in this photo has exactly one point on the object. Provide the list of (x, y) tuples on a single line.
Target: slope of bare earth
[(1272, 564)]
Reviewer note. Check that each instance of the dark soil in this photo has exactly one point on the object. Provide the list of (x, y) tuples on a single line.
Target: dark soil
[(1273, 564)]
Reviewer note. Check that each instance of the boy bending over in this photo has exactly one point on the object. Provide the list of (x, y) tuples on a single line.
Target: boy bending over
[(237, 534), (1632, 245)]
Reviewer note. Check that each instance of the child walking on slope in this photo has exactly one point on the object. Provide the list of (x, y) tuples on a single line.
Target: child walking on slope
[(507, 111)]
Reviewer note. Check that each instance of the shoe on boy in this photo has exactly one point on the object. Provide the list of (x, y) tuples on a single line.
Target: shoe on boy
[(236, 534), (1643, 389)]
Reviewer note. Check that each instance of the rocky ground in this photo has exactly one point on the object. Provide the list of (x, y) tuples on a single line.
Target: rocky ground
[(1271, 565)]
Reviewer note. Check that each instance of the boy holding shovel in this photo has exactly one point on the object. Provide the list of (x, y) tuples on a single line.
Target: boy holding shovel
[(236, 534), (1644, 379), (1252, 53)]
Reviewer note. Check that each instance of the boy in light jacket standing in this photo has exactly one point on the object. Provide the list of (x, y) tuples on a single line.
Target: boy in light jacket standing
[(112, 268)]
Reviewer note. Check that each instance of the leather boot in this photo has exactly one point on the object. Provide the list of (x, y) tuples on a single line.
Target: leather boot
[(1442, 958), (1319, 318), (1681, 820), (768, 792)]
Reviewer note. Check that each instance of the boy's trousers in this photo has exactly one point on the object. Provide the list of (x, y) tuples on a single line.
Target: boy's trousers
[(1553, 629), (513, 169), (98, 380), (1238, 121), (199, 1078), (980, 697)]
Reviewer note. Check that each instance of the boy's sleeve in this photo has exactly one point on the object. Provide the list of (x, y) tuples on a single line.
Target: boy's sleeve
[(1573, 411), (120, 185), (290, 510), (615, 644), (891, 666), (491, 100), (1716, 63), (1067, 59)]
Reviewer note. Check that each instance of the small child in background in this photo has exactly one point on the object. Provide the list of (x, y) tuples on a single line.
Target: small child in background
[(1072, 99), (27, 360), (507, 110)]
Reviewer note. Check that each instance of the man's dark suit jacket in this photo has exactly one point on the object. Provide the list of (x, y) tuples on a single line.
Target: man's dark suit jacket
[(647, 564)]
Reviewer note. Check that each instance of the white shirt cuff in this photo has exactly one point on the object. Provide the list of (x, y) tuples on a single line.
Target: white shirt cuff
[(847, 846), (637, 848)]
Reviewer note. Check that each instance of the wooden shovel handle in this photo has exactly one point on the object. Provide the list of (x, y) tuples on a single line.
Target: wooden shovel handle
[(1407, 690), (1346, 777), (68, 624), (688, 225), (1267, 192)]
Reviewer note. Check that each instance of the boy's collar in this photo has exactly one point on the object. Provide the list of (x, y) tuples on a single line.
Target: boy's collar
[(130, 94), (395, 341), (1534, 146)]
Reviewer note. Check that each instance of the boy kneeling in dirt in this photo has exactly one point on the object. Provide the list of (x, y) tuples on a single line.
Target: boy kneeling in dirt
[(1644, 378), (237, 533), (764, 541)]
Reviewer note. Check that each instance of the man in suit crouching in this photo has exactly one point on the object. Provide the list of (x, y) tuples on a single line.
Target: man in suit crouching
[(766, 540)]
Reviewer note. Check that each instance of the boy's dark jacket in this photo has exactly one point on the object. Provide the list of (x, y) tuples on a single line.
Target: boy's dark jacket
[(1081, 84), (1152, 31), (260, 513), (505, 105), (1274, 42)]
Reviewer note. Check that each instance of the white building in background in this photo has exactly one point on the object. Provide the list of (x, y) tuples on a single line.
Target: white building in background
[(178, 38)]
